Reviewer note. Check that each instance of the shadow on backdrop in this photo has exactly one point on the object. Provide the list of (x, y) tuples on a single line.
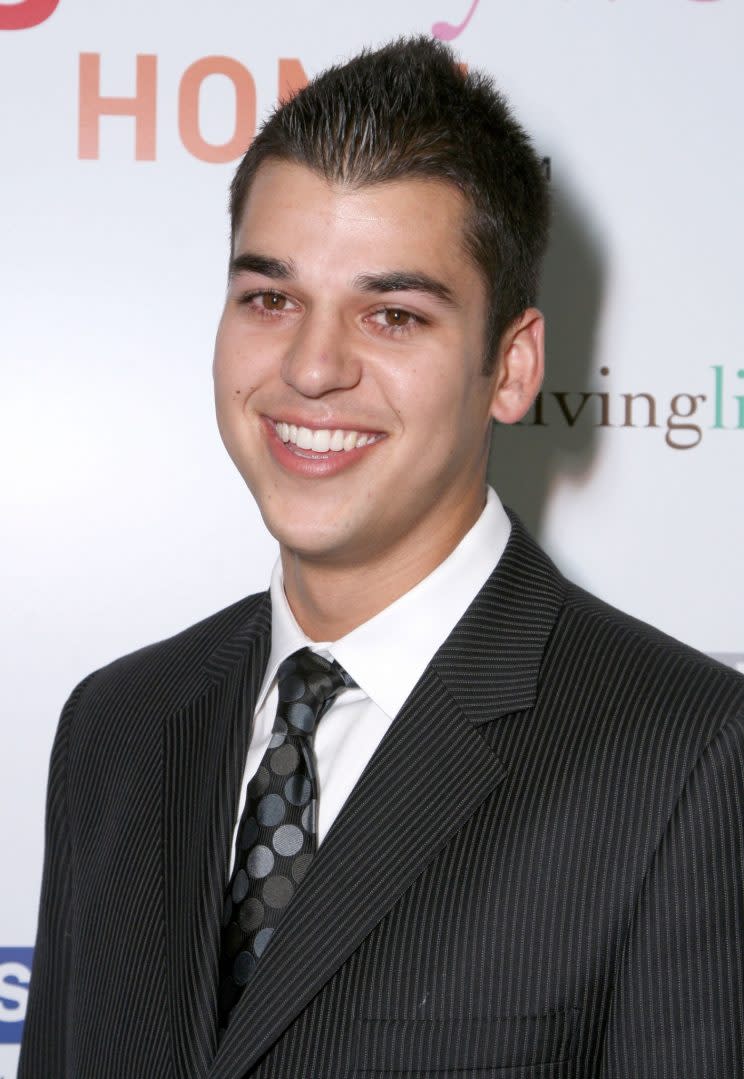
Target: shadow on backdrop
[(525, 458)]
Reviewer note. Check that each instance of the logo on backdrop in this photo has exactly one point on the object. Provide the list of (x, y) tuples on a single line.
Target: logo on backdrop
[(447, 31), (141, 106), (15, 974), (684, 420), (26, 14)]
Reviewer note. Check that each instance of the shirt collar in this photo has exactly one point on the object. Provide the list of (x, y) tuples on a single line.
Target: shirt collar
[(387, 655)]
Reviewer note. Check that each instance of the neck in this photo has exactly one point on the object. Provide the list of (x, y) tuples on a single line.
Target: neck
[(329, 598)]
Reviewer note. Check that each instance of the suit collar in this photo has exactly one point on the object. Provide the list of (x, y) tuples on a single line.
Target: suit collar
[(231, 651), (491, 661), (494, 652)]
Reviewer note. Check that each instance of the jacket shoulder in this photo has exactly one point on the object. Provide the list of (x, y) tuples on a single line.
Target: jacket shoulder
[(619, 626), (172, 671), (642, 670)]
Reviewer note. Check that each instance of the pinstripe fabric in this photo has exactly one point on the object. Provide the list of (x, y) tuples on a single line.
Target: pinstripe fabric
[(539, 873), (133, 795)]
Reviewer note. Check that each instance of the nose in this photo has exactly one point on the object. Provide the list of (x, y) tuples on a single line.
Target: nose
[(320, 357)]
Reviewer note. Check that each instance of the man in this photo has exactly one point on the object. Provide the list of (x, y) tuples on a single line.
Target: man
[(426, 808)]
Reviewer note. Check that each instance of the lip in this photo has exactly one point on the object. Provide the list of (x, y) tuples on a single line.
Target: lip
[(320, 425), (309, 464)]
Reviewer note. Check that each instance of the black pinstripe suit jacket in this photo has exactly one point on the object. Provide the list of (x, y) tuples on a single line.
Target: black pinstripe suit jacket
[(539, 873)]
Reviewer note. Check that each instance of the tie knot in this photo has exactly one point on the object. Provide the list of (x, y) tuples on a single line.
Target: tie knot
[(308, 684)]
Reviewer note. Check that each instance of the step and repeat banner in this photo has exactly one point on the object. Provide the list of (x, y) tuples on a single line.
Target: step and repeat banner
[(123, 519)]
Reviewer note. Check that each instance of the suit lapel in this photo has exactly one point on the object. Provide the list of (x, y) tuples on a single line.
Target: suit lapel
[(426, 779), (203, 752)]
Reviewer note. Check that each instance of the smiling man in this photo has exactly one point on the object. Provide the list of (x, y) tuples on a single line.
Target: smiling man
[(424, 807), (353, 390)]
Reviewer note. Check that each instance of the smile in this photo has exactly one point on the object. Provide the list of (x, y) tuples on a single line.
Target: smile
[(324, 440)]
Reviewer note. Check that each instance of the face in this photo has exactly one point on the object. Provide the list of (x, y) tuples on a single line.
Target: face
[(348, 365)]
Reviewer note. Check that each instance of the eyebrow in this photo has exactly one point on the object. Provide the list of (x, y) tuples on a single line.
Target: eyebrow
[(405, 281), (390, 281), (248, 262)]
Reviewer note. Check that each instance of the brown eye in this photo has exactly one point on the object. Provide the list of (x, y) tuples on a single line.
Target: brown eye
[(395, 317), (274, 301)]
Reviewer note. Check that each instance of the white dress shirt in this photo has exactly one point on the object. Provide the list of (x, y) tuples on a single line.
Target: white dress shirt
[(385, 656)]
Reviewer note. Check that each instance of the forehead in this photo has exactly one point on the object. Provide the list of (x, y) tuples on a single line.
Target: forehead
[(418, 222)]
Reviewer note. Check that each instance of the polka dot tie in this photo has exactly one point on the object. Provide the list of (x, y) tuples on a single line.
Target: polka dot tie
[(277, 834)]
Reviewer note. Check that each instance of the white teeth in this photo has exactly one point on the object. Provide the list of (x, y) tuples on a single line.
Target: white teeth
[(321, 441)]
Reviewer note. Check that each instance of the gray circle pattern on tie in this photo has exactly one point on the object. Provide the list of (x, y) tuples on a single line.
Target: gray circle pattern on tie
[(277, 834)]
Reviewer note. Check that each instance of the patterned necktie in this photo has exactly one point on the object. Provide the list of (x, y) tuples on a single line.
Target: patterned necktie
[(276, 838)]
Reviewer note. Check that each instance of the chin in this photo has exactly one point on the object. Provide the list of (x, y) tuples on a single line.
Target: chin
[(310, 539)]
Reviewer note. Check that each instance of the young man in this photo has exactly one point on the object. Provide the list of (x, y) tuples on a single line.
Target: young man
[(425, 808)]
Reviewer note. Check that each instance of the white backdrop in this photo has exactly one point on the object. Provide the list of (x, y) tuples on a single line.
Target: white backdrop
[(123, 519)]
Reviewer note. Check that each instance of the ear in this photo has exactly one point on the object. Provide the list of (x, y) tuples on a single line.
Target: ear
[(520, 366)]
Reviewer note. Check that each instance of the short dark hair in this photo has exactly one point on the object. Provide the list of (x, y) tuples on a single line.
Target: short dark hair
[(409, 110)]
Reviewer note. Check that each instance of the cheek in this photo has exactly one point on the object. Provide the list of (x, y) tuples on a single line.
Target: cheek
[(427, 394), (234, 368), (443, 411)]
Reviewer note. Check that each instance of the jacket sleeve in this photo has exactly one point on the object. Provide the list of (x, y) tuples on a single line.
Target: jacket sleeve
[(678, 1003), (43, 1048)]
